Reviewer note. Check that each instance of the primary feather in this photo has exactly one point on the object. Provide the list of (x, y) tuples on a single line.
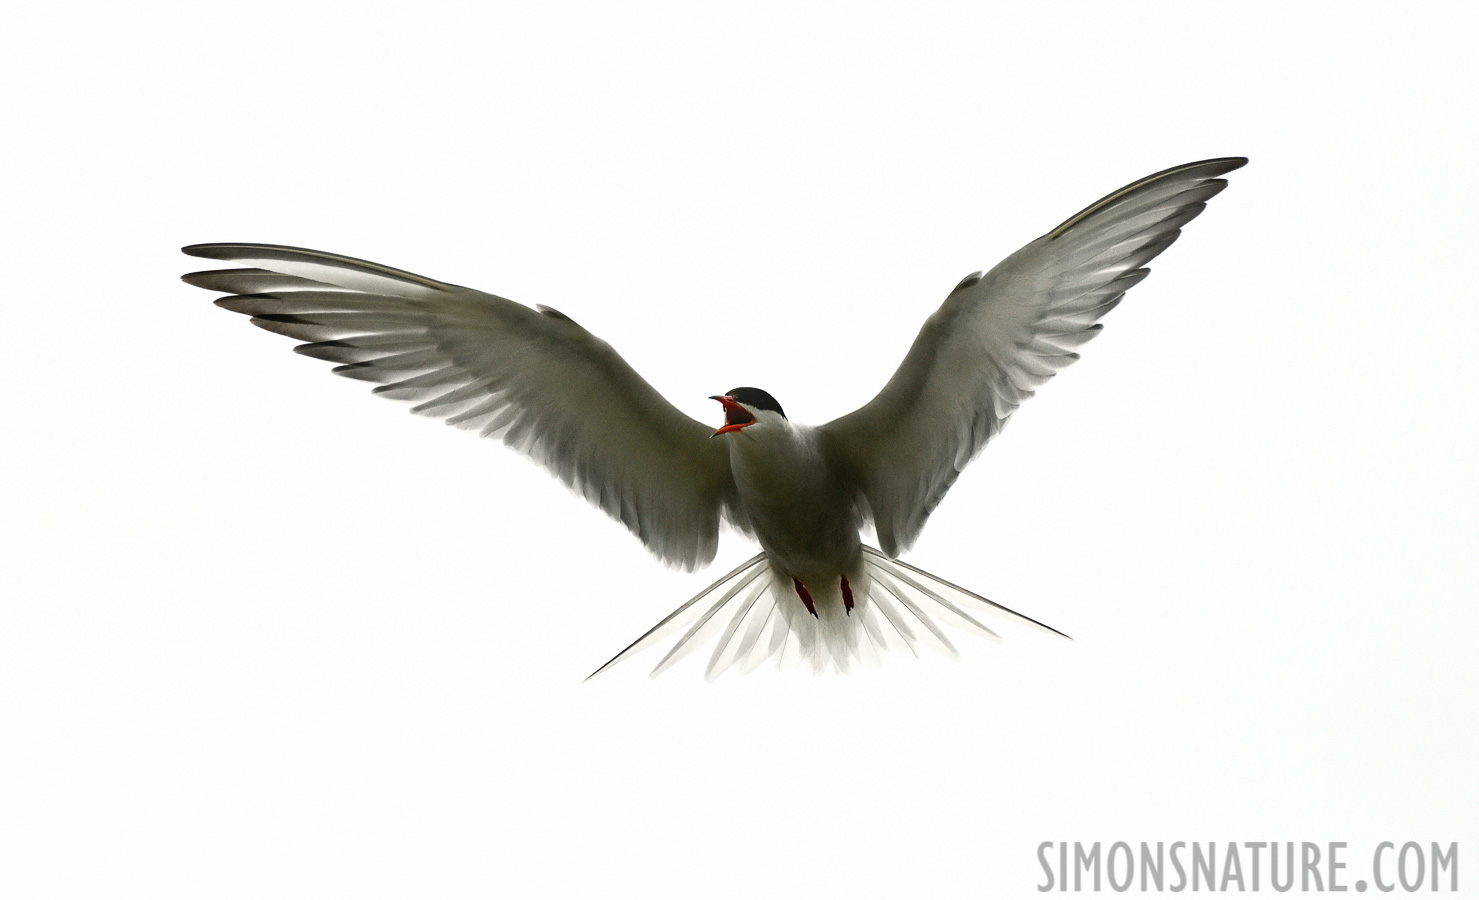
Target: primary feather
[(532, 379), (997, 338)]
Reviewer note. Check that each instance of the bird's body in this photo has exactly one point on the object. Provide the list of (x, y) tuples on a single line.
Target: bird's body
[(801, 511), (548, 388)]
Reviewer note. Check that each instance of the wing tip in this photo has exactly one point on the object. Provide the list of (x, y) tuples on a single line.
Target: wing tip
[(1210, 168), (1218, 165), (1207, 170), (208, 251)]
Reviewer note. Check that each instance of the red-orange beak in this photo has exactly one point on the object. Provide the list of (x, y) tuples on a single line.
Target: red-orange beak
[(735, 416)]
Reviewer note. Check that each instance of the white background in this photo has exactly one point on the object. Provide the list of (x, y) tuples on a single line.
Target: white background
[(266, 635)]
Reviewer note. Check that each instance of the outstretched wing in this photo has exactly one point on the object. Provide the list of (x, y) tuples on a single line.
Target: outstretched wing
[(531, 378), (997, 338)]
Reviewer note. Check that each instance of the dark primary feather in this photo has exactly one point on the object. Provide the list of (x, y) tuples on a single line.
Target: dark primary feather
[(997, 338), (535, 380)]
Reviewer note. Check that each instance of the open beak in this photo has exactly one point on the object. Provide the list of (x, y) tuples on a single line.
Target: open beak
[(735, 416)]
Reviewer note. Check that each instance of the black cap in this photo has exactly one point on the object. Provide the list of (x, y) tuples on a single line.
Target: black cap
[(757, 398)]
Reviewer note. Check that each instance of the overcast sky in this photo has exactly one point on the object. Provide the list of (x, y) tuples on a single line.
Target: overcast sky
[(264, 635)]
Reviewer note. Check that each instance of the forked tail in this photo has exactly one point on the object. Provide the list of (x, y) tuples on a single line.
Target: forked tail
[(757, 615)]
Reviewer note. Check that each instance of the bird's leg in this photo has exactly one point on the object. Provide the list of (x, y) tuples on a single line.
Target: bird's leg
[(805, 598), (846, 595)]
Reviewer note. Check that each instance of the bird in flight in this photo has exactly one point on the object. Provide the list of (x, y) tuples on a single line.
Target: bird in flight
[(815, 594)]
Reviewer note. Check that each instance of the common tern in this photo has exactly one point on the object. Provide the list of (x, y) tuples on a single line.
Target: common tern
[(815, 594)]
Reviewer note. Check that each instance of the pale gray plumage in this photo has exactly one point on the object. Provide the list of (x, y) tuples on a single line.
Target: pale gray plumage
[(997, 338), (533, 379), (547, 387)]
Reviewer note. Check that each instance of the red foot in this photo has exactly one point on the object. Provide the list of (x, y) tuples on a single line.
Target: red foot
[(805, 598), (846, 595)]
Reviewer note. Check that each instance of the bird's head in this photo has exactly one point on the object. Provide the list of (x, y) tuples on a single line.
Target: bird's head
[(745, 407)]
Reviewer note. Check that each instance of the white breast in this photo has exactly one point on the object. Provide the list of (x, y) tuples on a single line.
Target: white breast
[(803, 515)]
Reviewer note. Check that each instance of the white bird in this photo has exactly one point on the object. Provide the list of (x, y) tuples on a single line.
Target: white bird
[(815, 593)]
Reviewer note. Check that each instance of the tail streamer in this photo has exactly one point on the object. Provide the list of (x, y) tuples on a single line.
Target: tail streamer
[(753, 614)]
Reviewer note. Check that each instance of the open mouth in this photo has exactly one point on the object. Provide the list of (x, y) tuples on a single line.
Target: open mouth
[(735, 415)]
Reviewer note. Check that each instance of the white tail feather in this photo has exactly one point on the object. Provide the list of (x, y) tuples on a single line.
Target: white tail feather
[(757, 616)]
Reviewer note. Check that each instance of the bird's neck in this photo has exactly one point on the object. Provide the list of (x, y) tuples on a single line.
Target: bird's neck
[(779, 466)]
